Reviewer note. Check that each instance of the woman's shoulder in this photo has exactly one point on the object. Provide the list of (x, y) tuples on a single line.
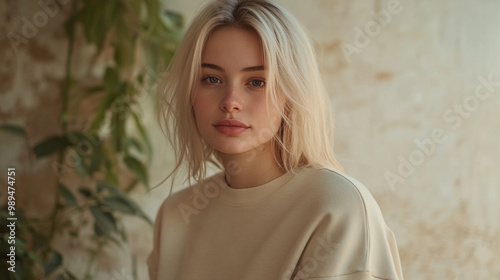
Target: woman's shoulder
[(346, 214), (336, 192)]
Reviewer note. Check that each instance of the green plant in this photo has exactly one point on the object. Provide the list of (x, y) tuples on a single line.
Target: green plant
[(142, 37)]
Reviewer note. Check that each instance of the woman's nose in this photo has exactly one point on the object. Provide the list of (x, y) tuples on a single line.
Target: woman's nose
[(232, 100)]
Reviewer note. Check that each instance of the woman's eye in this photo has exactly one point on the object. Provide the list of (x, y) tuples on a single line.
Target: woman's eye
[(211, 80), (257, 83)]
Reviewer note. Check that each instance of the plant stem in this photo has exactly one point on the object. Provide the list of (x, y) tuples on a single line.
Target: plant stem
[(64, 113)]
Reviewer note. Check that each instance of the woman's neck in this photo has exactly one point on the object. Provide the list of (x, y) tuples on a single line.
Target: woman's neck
[(251, 169)]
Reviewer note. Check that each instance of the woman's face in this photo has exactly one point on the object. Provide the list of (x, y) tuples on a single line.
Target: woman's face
[(230, 104)]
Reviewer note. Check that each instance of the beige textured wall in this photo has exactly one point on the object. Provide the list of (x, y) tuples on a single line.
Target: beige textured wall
[(417, 122)]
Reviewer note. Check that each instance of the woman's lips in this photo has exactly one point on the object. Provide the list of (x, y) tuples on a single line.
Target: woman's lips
[(231, 127)]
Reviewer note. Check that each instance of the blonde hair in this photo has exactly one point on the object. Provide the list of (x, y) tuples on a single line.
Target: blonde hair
[(305, 138)]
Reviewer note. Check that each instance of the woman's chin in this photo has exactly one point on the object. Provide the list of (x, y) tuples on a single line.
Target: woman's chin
[(230, 151)]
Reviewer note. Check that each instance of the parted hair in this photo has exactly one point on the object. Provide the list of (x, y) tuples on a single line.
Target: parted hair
[(305, 138)]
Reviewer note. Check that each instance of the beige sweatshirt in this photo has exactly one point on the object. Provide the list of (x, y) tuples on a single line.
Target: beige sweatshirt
[(316, 224)]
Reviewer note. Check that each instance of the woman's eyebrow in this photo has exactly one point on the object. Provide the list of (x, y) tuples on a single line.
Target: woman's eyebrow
[(212, 66), (253, 68), (246, 69)]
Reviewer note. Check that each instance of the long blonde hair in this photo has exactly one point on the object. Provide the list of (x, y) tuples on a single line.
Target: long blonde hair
[(305, 138)]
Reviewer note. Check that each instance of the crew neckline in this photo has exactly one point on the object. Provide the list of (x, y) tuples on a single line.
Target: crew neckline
[(252, 195)]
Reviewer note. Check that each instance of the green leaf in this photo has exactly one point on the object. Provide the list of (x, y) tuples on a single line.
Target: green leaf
[(98, 36), (54, 262), (101, 186), (21, 246), (110, 170), (51, 145), (100, 117), (67, 275), (113, 191), (105, 221), (97, 19), (125, 42), (15, 129), (119, 204), (118, 134), (112, 81), (138, 168), (67, 195), (80, 166), (113, 239), (69, 27), (85, 192), (75, 137), (99, 231), (130, 187), (136, 5), (71, 276), (143, 133), (134, 143), (34, 257), (171, 20), (96, 159), (110, 10)]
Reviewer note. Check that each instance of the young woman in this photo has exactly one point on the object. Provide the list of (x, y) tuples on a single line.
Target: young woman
[(244, 93)]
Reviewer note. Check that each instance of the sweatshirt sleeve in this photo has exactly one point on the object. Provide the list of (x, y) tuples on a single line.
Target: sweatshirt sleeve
[(351, 240)]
